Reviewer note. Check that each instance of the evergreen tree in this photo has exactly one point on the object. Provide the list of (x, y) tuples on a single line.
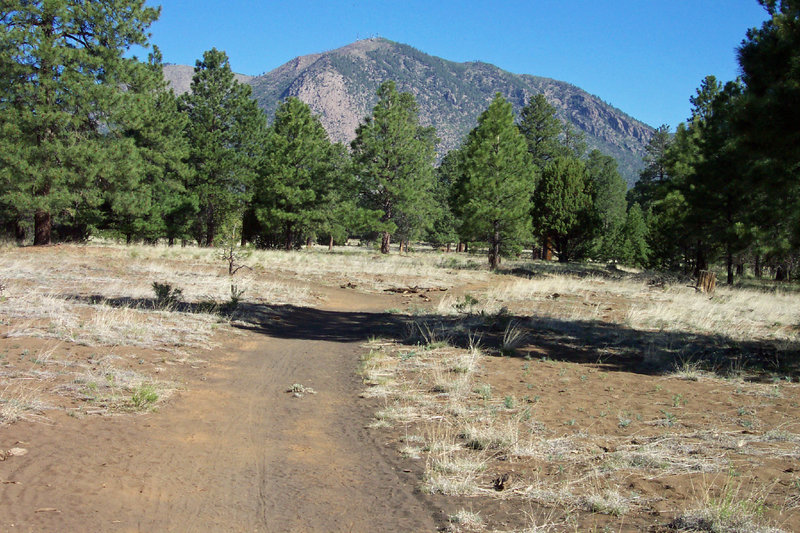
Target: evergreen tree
[(445, 223), (393, 158), (562, 207), (654, 173), (717, 193), (541, 129), (498, 179), (226, 135), (607, 190), (634, 249), (296, 175), (340, 215), (669, 239), (767, 126), (60, 105), (152, 202)]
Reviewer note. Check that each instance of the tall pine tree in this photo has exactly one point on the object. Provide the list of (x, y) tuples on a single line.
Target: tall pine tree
[(60, 108), (152, 201), (497, 181), (226, 132), (393, 159), (298, 171)]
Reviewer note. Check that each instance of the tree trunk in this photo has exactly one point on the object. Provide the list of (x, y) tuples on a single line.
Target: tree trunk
[(757, 267), (308, 242), (701, 263), (210, 226), (494, 248), (448, 248), (729, 265), (287, 243), (706, 281), (43, 227), (547, 250), (19, 231), (459, 247), (386, 240), (128, 239), (330, 243)]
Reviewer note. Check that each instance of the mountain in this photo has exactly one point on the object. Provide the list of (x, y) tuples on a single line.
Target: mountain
[(340, 86), (180, 77)]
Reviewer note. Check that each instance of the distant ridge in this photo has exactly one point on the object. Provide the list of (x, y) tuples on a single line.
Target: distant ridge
[(180, 77), (340, 86)]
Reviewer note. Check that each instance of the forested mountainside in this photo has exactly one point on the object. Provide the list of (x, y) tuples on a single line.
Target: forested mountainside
[(340, 86)]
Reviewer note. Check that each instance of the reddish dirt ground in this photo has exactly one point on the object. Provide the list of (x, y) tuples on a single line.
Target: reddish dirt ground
[(235, 452)]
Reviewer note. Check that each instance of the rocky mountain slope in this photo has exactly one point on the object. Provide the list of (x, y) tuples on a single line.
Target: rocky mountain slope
[(180, 77), (340, 86)]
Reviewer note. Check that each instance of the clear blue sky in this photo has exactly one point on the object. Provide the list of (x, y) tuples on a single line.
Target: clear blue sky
[(645, 57)]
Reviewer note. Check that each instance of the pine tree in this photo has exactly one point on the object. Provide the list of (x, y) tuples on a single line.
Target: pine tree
[(63, 82), (634, 249), (296, 175), (608, 204), (655, 172), (561, 206), (152, 201), (226, 134), (443, 231), (393, 158), (498, 179), (340, 215), (718, 193), (767, 126), (541, 129)]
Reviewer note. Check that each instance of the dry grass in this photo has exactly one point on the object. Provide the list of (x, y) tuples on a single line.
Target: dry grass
[(102, 297), (369, 270), (474, 431), (739, 314), (732, 507)]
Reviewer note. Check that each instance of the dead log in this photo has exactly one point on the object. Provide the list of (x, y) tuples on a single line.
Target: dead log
[(414, 290)]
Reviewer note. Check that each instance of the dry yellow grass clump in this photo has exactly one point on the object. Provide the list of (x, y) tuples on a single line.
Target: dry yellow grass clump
[(82, 328)]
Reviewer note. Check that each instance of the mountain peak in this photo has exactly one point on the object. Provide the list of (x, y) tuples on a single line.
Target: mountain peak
[(340, 86)]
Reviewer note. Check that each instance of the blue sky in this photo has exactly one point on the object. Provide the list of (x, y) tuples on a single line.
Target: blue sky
[(645, 57)]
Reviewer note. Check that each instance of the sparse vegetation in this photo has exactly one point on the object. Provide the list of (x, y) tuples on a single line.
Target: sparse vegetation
[(474, 417)]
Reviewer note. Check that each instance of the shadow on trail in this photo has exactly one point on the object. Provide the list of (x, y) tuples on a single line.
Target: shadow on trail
[(611, 346), (614, 347), (294, 322)]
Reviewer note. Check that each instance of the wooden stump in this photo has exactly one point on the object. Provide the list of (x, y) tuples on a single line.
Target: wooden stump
[(706, 282)]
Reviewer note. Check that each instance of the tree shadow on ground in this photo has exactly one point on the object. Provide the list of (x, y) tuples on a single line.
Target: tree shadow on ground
[(609, 345), (612, 346), (534, 270)]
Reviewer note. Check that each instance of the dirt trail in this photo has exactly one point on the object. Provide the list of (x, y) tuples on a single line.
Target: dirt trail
[(236, 452)]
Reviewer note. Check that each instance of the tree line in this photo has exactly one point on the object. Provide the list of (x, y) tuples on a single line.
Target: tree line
[(726, 185), (94, 141)]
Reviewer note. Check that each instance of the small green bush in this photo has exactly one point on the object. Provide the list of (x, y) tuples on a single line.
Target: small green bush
[(144, 397), (166, 295)]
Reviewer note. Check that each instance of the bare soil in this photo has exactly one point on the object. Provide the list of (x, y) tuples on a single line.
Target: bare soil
[(262, 426), (234, 451)]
